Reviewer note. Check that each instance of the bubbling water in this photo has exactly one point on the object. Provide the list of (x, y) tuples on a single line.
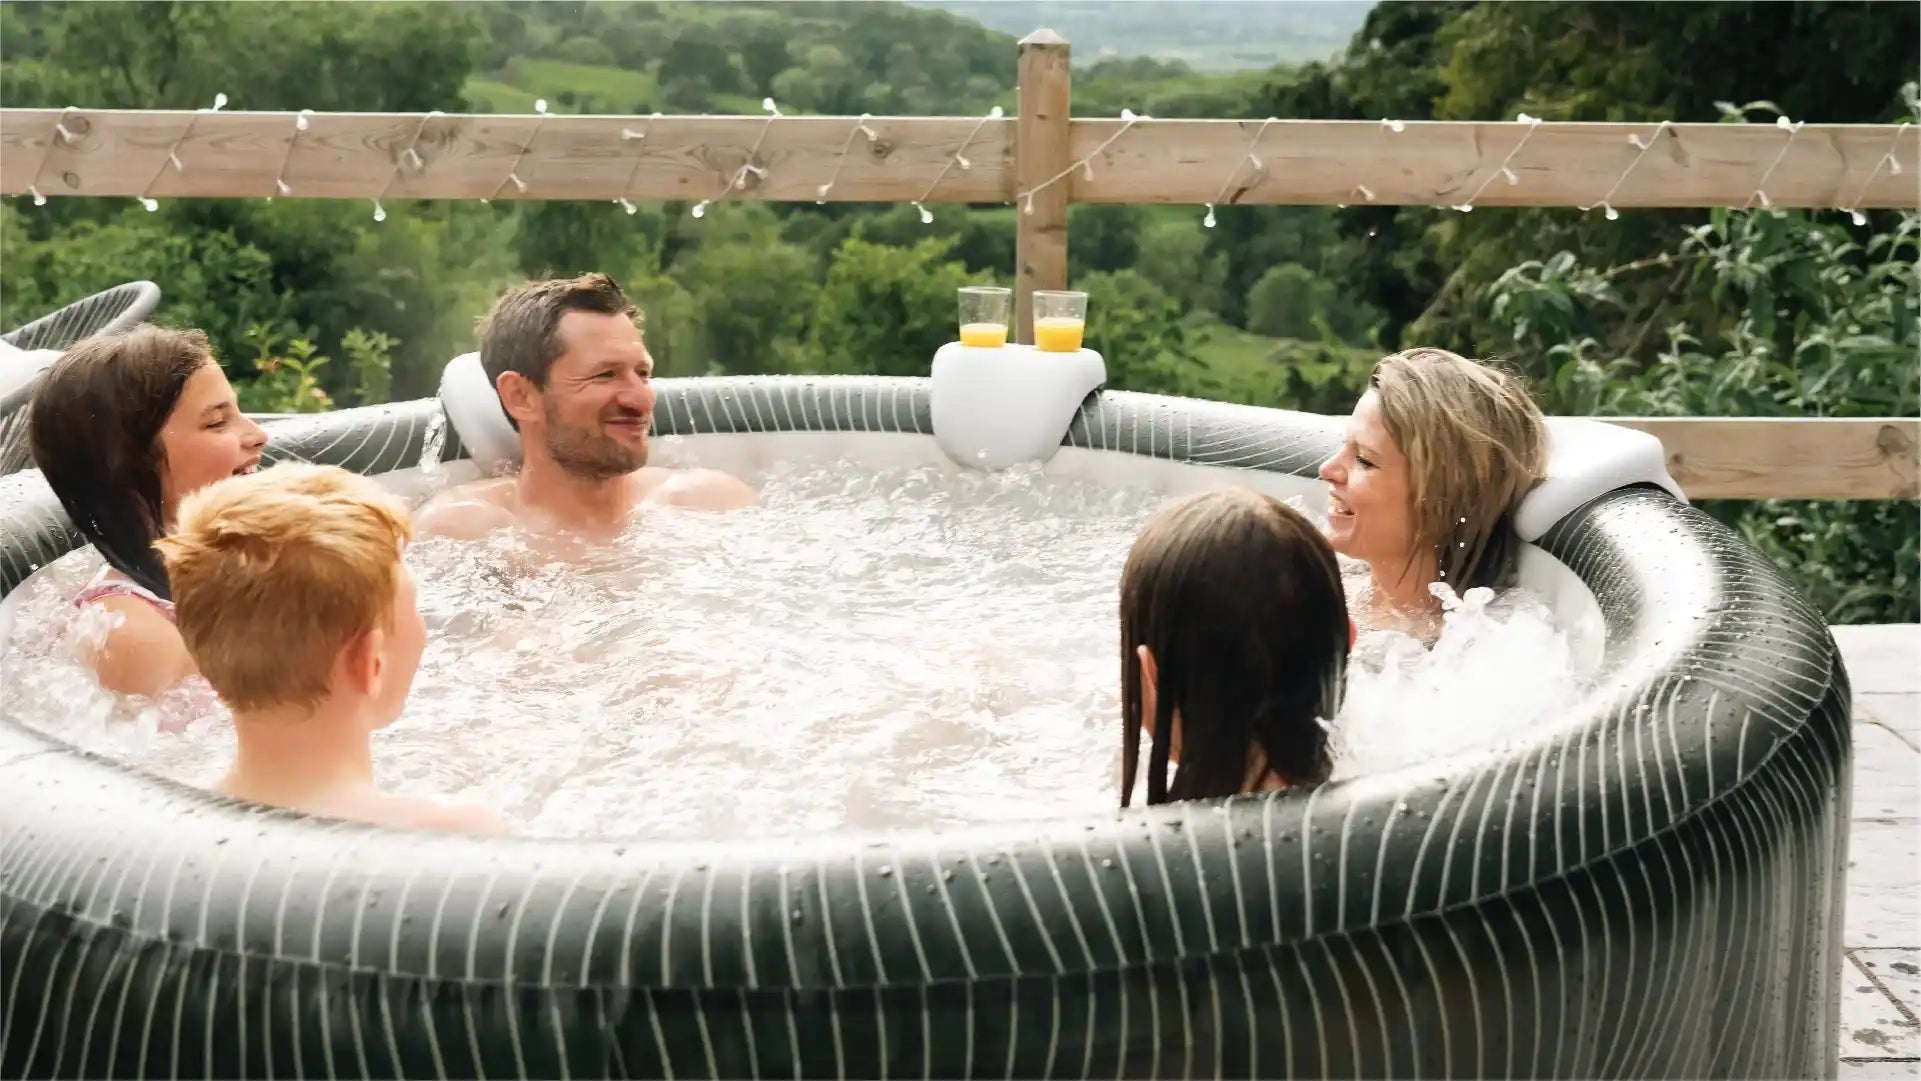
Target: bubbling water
[(872, 649)]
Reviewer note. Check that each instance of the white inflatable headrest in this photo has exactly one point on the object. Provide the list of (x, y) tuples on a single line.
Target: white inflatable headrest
[(1587, 458), (473, 407), (19, 366)]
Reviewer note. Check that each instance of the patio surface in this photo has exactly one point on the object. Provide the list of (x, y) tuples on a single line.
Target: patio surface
[(1881, 985)]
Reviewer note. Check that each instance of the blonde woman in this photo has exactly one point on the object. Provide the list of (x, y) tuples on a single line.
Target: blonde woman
[(1438, 455)]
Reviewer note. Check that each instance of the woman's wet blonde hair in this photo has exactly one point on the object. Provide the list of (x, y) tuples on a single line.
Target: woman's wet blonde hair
[(1475, 444)]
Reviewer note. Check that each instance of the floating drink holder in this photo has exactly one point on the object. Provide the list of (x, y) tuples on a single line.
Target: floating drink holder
[(993, 408)]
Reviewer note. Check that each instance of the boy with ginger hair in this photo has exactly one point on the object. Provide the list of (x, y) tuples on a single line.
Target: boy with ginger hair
[(293, 599)]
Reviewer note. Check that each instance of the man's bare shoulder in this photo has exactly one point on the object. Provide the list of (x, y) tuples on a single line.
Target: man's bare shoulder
[(468, 512), (706, 489)]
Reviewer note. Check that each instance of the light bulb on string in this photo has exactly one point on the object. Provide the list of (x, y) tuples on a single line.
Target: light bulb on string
[(1793, 128), (700, 209), (627, 204), (1208, 220), (173, 154), (62, 135), (958, 156), (1503, 170), (1085, 164), (1885, 161), (280, 185), (380, 212)]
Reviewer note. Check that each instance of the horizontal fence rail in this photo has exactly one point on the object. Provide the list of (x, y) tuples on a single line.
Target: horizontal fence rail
[(1042, 162), (1788, 457), (462, 156)]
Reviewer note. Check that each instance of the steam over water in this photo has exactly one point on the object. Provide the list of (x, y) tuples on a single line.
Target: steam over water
[(905, 647)]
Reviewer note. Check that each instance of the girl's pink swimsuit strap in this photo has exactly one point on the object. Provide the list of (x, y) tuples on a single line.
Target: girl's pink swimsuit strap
[(116, 588)]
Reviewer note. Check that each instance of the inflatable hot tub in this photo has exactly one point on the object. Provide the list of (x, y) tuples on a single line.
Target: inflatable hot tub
[(1651, 885)]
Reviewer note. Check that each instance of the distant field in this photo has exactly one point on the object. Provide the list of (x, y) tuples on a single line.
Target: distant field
[(1231, 351), (567, 87)]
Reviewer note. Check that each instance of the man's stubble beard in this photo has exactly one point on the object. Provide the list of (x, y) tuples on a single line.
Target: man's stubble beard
[(591, 455)]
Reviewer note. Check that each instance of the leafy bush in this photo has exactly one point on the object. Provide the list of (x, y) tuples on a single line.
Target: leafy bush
[(289, 380), (1778, 313)]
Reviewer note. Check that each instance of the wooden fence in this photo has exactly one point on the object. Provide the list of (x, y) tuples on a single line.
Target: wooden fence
[(1032, 160)]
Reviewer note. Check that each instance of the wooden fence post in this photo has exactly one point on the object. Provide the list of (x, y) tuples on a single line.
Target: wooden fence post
[(1041, 150)]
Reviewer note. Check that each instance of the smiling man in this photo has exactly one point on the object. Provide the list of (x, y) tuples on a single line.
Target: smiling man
[(574, 377)]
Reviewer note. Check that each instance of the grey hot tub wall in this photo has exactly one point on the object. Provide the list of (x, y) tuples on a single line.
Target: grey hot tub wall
[(1653, 889)]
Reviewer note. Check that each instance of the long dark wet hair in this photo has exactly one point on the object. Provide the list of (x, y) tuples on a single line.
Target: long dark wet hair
[(94, 427), (1239, 598)]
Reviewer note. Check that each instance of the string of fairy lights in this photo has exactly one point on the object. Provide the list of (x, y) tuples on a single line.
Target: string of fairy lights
[(1248, 169)]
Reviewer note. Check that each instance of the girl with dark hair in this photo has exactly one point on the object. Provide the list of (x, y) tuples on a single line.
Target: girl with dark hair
[(123, 426), (1234, 642)]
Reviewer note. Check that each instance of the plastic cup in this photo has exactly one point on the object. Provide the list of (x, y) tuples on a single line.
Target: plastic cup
[(1060, 319), (985, 311)]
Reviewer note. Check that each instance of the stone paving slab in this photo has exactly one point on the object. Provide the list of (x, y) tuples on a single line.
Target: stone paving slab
[(1880, 1033), (1883, 658), (1872, 1026), (1898, 972), (1884, 898), (1880, 1069), (1887, 773), (1898, 713)]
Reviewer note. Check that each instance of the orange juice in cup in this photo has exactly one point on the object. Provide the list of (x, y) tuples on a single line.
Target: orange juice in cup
[(984, 314), (983, 335), (1060, 319), (1058, 334)]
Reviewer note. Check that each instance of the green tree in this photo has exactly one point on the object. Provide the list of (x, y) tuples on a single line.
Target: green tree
[(885, 309), (1174, 255), (1291, 301), (1136, 327), (1288, 302), (753, 301), (1106, 236)]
